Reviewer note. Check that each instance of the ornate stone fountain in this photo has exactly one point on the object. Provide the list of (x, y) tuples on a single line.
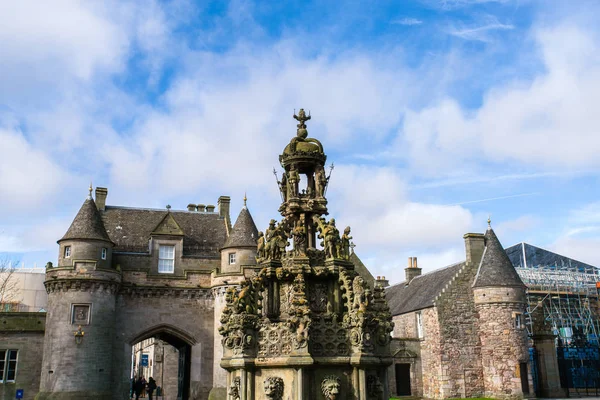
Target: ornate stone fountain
[(307, 326)]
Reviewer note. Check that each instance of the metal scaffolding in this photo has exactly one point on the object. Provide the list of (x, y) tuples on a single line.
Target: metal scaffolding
[(568, 298)]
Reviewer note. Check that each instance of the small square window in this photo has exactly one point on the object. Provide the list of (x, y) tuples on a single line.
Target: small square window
[(67, 251), (231, 258), (104, 253), (166, 259), (518, 321)]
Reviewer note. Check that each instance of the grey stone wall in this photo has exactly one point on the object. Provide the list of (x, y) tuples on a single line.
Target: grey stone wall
[(185, 313), (69, 367), (88, 250), (461, 369), (503, 346), (23, 332)]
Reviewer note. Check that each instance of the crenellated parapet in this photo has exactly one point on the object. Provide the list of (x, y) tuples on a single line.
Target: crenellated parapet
[(81, 285)]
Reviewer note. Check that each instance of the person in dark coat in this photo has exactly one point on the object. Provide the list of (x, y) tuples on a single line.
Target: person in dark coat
[(137, 387), (151, 387)]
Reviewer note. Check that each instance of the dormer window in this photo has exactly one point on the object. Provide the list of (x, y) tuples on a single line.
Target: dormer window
[(231, 258), (103, 255), (166, 259), (67, 251)]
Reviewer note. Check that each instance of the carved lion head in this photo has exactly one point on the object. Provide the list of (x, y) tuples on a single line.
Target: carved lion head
[(331, 387), (274, 387)]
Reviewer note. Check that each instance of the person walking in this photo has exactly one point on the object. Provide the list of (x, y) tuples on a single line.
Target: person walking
[(137, 387), (143, 387), (151, 387)]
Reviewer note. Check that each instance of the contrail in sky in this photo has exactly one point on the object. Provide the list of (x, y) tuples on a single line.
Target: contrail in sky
[(493, 198)]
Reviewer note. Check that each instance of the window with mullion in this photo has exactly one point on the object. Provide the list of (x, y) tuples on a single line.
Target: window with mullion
[(166, 259), (2, 364), (11, 371), (8, 365)]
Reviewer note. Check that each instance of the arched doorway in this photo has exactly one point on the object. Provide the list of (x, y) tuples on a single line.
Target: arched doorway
[(165, 352)]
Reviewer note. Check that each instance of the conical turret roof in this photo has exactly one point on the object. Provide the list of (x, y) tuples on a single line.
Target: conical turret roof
[(244, 232), (87, 224), (495, 268)]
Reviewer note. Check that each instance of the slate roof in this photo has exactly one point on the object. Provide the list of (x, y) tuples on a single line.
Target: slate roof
[(87, 224), (536, 257), (244, 232), (421, 292), (130, 229), (495, 268), (362, 269)]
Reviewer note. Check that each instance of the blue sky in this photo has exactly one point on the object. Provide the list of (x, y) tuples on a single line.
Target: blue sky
[(435, 113)]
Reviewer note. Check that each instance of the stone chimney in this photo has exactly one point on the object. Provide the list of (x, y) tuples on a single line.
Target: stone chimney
[(474, 245), (412, 271), (191, 207), (381, 281), (210, 208), (200, 207), (224, 203), (101, 194)]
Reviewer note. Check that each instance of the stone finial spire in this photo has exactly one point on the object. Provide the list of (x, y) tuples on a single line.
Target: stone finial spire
[(244, 232), (90, 191), (87, 224), (302, 118), (489, 222), (495, 268), (245, 200)]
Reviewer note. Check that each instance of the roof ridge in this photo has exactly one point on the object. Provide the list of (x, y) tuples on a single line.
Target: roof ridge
[(429, 273)]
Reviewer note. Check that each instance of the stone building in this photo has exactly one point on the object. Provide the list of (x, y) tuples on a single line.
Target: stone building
[(459, 331), (244, 315)]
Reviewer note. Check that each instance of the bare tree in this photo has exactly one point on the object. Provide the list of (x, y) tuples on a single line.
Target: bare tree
[(9, 289)]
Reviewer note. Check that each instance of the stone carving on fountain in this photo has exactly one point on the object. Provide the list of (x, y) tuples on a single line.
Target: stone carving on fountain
[(307, 315)]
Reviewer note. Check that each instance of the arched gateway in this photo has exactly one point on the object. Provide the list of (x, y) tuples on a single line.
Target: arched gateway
[(126, 275)]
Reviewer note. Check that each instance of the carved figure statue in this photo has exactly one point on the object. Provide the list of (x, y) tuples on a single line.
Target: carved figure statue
[(330, 386), (234, 389), (283, 188), (299, 233), (260, 246), (293, 180), (345, 244), (331, 239), (276, 240), (361, 300), (374, 388), (273, 386), (245, 298), (320, 182)]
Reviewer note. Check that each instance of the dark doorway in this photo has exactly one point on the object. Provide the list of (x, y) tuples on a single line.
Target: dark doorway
[(167, 358), (183, 372), (403, 380), (524, 378)]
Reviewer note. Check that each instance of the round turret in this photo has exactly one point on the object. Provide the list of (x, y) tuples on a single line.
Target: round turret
[(239, 249), (81, 302), (500, 299)]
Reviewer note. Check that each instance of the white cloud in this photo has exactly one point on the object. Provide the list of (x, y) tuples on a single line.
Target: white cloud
[(29, 178), (408, 21), (549, 122), (479, 33), (373, 201), (60, 38), (524, 223)]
